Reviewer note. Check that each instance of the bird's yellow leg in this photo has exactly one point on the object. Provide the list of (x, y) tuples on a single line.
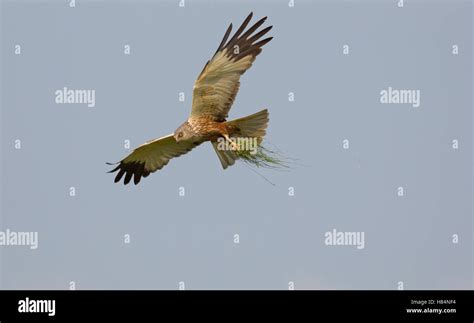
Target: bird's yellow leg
[(233, 144)]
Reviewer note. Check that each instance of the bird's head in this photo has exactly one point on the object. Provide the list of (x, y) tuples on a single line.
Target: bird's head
[(183, 133)]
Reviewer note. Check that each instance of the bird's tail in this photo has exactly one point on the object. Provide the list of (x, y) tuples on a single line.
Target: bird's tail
[(227, 157), (252, 127)]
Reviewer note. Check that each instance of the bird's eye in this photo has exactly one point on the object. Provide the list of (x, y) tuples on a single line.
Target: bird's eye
[(180, 135)]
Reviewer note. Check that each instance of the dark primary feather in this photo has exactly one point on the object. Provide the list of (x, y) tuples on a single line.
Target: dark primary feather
[(133, 169), (240, 30), (245, 42), (227, 33)]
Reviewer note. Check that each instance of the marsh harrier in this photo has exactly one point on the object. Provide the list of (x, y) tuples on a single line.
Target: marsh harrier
[(214, 92)]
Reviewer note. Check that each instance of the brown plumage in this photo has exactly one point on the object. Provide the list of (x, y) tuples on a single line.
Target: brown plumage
[(214, 92)]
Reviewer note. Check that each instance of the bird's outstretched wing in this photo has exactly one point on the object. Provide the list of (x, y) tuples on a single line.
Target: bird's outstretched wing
[(217, 85), (150, 157)]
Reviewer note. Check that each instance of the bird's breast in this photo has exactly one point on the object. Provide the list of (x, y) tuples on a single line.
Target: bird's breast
[(206, 128)]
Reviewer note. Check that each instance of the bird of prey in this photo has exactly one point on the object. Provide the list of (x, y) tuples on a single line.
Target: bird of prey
[(213, 94)]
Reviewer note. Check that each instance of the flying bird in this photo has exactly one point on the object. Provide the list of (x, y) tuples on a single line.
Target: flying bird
[(213, 94)]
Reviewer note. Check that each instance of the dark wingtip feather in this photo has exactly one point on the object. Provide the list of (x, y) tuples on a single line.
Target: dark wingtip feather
[(128, 177), (114, 170), (263, 42), (239, 31), (248, 43), (258, 35), (133, 170), (119, 175), (112, 164), (138, 173), (224, 39), (253, 28)]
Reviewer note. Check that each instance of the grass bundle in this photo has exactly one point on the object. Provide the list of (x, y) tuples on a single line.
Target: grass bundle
[(263, 157)]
